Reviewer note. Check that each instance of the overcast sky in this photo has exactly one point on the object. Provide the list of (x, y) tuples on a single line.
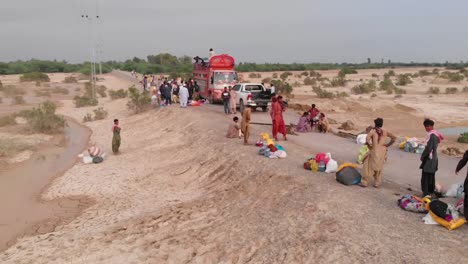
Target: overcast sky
[(250, 30)]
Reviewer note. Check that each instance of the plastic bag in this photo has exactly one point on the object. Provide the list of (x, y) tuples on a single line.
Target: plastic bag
[(362, 153), (332, 166), (361, 139), (453, 191), (428, 220), (87, 160)]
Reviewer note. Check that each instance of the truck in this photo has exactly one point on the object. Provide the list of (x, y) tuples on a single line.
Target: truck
[(214, 75), (252, 94)]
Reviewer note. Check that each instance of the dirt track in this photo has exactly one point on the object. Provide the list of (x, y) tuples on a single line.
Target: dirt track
[(182, 193)]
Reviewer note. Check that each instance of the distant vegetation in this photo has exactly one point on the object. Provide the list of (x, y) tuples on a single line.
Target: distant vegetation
[(365, 88), (452, 76), (463, 138), (282, 87), (34, 77), (404, 79)]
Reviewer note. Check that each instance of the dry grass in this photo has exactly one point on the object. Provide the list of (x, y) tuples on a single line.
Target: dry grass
[(11, 147), (11, 90), (60, 90), (8, 120)]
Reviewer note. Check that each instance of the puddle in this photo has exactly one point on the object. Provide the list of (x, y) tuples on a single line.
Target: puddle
[(453, 131), (21, 211)]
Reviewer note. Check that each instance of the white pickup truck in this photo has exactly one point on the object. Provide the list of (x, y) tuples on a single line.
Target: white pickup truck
[(253, 94)]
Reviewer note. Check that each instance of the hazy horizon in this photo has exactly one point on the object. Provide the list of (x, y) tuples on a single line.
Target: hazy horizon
[(252, 31)]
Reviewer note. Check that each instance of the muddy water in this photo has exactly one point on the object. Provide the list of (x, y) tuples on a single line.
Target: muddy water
[(21, 210)]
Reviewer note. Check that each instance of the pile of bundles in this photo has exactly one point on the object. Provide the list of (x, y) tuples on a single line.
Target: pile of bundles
[(94, 155), (412, 145), (321, 163), (437, 212), (269, 149)]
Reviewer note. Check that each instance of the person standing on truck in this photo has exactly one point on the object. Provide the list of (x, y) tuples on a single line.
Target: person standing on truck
[(232, 101), (226, 96), (272, 89)]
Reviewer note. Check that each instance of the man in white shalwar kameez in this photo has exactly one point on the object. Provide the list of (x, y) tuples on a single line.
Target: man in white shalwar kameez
[(183, 95)]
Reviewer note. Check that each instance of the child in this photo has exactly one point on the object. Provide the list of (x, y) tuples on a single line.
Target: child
[(116, 136), (233, 129)]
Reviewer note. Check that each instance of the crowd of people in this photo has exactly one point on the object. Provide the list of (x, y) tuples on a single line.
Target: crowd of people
[(313, 120)]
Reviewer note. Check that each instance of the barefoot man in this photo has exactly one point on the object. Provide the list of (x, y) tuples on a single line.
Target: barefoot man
[(245, 124), (374, 161)]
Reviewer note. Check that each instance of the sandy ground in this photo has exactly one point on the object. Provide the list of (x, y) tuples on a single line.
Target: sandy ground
[(182, 193)]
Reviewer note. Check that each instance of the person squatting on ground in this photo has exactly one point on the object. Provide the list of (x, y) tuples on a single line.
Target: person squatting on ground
[(429, 158), (323, 126), (303, 125), (226, 96), (234, 128), (245, 124), (116, 136), (375, 159), (460, 166)]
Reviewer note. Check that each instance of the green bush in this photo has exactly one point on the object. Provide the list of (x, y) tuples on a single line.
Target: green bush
[(43, 119), (342, 73), (34, 76), (387, 85), (452, 76), (285, 75), (101, 90), (100, 113), (322, 93), (451, 90), (338, 82), (11, 90), (423, 73), (85, 100), (60, 90), (121, 93), (433, 90), (404, 79), (138, 102), (70, 79), (463, 138), (365, 88), (282, 87), (8, 120), (310, 81), (18, 100)]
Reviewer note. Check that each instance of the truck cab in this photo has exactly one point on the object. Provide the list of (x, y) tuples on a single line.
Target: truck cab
[(252, 94)]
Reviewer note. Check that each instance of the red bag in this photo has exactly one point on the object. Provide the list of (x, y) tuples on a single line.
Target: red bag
[(322, 157)]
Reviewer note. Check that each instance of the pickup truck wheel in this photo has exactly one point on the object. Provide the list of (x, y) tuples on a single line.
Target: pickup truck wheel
[(264, 108), (241, 106)]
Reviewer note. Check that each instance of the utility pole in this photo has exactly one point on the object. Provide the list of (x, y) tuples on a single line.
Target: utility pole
[(89, 19), (99, 42)]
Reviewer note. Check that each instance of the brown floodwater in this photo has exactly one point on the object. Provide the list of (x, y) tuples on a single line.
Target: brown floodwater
[(22, 212)]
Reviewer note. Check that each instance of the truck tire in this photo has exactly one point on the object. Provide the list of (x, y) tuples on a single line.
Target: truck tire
[(241, 106), (264, 108)]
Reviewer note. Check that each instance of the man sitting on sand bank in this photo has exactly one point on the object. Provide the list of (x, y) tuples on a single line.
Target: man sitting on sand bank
[(233, 129), (375, 159)]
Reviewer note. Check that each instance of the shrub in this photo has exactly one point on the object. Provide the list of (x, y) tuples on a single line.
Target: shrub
[(11, 90), (403, 79), (365, 88), (9, 147), (387, 85), (465, 89), (414, 75), (452, 76), (433, 90), (42, 93), (342, 94), (375, 75), (282, 87), (101, 90), (338, 82), (451, 90), (138, 102), (255, 75), (8, 120), (88, 118), (70, 79), (85, 100), (296, 84), (391, 73), (1, 100), (60, 90), (18, 100), (34, 76), (435, 71), (285, 75), (305, 74), (266, 80), (342, 73), (322, 93), (399, 91), (1, 85), (43, 119), (310, 81), (423, 73), (315, 74), (121, 93), (100, 113), (463, 138), (275, 75), (373, 95), (38, 84)]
